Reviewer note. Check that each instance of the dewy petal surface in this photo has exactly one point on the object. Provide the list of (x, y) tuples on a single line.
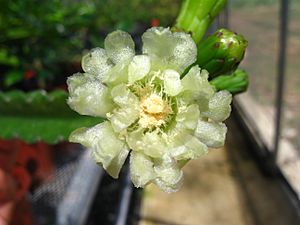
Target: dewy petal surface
[(211, 133), (169, 175), (219, 106), (138, 68), (96, 63), (116, 75), (172, 82), (88, 96), (119, 46), (141, 169), (187, 146), (128, 111), (107, 149), (169, 50), (187, 116), (196, 88)]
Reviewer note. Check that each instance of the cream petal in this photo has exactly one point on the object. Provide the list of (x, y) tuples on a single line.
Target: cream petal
[(169, 175), (153, 144), (172, 82), (119, 46), (187, 116), (211, 133), (96, 63), (88, 96), (138, 68), (219, 106), (116, 75), (169, 50), (107, 149), (128, 111), (116, 164), (141, 169), (196, 88), (187, 146)]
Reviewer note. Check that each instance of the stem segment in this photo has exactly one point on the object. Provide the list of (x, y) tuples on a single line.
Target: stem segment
[(196, 15)]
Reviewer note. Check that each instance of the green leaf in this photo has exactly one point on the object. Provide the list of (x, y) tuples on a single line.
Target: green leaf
[(12, 77), (38, 116)]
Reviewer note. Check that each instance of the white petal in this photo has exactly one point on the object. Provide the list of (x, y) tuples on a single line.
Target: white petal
[(119, 46), (172, 82), (107, 148), (210, 133), (169, 175), (187, 117), (187, 146), (128, 111), (219, 106), (138, 68), (88, 96), (153, 144), (116, 164), (134, 140), (197, 88), (96, 63), (116, 75), (169, 50), (141, 169)]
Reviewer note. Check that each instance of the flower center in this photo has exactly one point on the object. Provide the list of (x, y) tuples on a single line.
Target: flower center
[(153, 111)]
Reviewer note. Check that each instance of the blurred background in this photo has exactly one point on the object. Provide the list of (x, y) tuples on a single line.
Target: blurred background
[(253, 180)]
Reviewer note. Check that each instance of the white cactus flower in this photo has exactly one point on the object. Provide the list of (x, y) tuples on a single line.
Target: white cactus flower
[(153, 115)]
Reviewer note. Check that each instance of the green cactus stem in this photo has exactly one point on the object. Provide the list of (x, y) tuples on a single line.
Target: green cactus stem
[(39, 116), (195, 16), (235, 83)]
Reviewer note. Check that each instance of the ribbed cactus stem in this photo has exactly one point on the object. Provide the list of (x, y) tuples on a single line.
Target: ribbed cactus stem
[(195, 16)]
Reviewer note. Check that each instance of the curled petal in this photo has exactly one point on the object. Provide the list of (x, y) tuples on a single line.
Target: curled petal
[(197, 88), (116, 75), (169, 175), (154, 145), (128, 111), (107, 149), (187, 146), (172, 82), (134, 140), (96, 63), (219, 106), (141, 169), (138, 68), (169, 50), (119, 46), (210, 133), (187, 117), (116, 164), (88, 96)]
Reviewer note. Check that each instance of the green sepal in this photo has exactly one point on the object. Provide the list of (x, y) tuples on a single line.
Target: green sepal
[(235, 83), (39, 116), (195, 16), (221, 52)]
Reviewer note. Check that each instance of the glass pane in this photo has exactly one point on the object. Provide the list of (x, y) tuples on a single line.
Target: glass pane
[(258, 21), (289, 152)]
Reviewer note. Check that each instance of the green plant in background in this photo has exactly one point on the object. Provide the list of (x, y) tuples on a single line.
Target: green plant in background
[(44, 39), (78, 25), (37, 37)]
